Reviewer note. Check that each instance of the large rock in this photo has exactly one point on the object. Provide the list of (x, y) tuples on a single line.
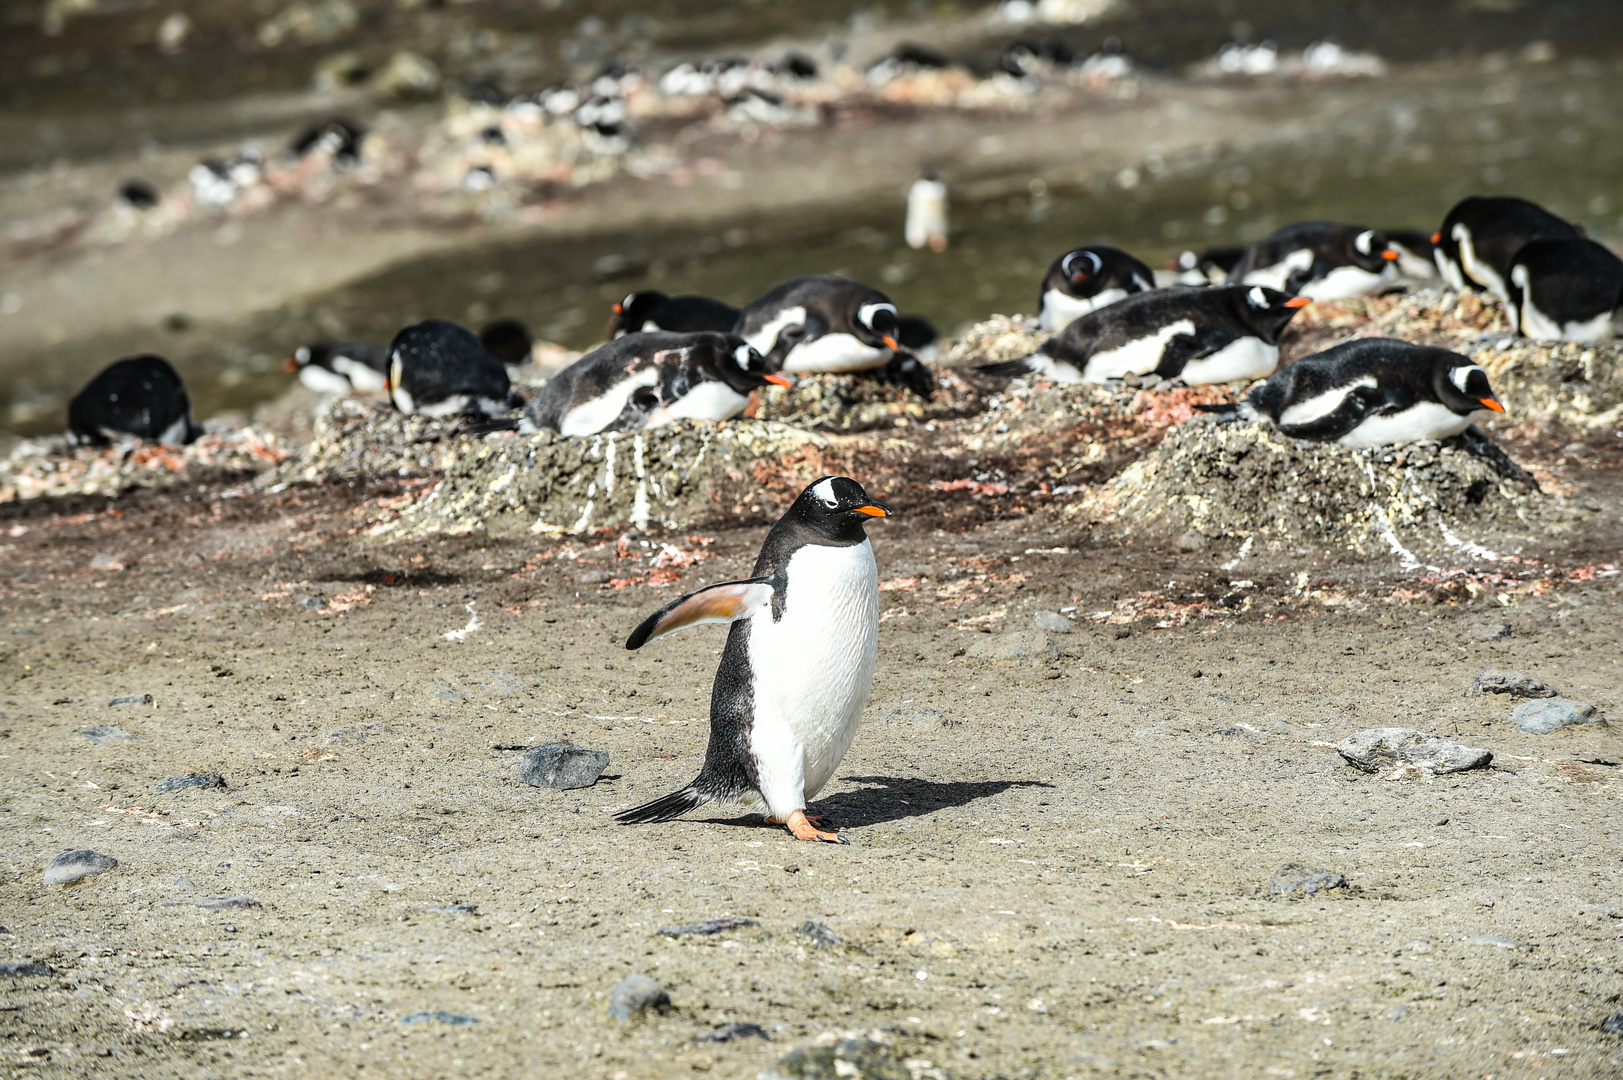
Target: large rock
[(562, 766), (70, 866), (636, 995), (1375, 748), (1541, 717)]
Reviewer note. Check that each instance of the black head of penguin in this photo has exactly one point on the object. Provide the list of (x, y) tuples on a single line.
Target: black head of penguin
[(1088, 271), (832, 511), (730, 359), (437, 367), (508, 340), (631, 313), (1265, 311), (141, 396), (1460, 384)]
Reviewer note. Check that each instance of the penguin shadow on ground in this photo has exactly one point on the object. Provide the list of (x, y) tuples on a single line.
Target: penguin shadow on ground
[(892, 798)]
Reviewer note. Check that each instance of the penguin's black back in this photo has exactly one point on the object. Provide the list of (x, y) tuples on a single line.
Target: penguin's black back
[(439, 360), (684, 361), (141, 396), (1393, 363), (1332, 245), (1144, 314), (672, 314), (322, 354), (828, 299), (1499, 225), (1571, 280)]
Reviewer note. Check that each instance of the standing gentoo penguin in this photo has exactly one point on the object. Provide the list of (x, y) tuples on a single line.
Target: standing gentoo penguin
[(1320, 260), (1566, 290), (651, 310), (1371, 392), (340, 368), (926, 224), (828, 323), (1201, 335), (438, 368), (1087, 279), (647, 381), (1482, 234), (140, 396), (798, 664)]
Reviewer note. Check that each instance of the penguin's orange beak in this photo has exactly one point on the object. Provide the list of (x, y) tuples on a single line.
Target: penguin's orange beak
[(778, 380), (1489, 403), (1436, 237), (891, 344), (1389, 255), (1298, 301), (873, 510), (291, 366), (619, 309)]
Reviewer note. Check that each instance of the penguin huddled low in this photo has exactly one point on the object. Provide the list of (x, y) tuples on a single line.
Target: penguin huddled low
[(1321, 260), (1199, 335), (1087, 279), (1371, 392), (1566, 290), (649, 380), (438, 369), (140, 396), (1208, 267), (651, 310), (831, 324), (340, 367), (1482, 234), (1417, 254), (797, 667)]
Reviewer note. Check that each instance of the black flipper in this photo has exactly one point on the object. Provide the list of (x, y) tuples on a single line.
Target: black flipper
[(1007, 369)]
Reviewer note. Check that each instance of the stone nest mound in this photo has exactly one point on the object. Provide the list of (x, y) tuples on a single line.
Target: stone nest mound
[(45, 468), (854, 403), (1248, 482), (360, 437)]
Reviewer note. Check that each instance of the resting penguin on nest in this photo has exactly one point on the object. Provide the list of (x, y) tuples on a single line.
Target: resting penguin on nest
[(1482, 234), (340, 368), (649, 380), (1566, 290), (140, 396), (1320, 260), (828, 323), (1371, 392), (651, 310), (438, 368), (798, 664), (1087, 279), (1199, 335)]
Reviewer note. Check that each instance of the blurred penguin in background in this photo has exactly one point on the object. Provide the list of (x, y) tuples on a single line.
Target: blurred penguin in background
[(927, 213)]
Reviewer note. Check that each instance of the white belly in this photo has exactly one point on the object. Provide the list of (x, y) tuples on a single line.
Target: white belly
[(1449, 270), (1135, 357), (1541, 327), (833, 352), (1475, 269), (1242, 358), (708, 401), (1060, 309), (323, 381), (359, 375), (1426, 420), (812, 671), (1275, 276), (595, 414), (1345, 282)]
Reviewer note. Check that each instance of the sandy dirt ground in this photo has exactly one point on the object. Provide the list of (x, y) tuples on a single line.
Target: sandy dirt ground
[(1058, 866)]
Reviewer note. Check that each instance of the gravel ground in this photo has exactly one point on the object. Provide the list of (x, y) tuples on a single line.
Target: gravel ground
[(1061, 864)]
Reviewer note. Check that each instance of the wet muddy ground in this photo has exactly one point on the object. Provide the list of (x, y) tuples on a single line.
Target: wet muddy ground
[(1059, 865)]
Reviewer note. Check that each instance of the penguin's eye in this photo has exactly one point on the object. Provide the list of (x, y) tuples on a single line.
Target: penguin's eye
[(832, 504)]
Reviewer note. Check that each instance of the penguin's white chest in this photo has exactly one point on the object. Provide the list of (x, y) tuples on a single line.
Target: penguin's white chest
[(833, 352), (811, 671), (1061, 309)]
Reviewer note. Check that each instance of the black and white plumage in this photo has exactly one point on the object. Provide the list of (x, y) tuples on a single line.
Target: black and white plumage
[(140, 396), (1199, 335), (1417, 254), (1372, 392), (919, 337), (1482, 234), (1208, 267), (651, 310), (1566, 290), (509, 341), (798, 664), (338, 138), (1321, 260), (1086, 279), (438, 368), (650, 380), (829, 323), (341, 367)]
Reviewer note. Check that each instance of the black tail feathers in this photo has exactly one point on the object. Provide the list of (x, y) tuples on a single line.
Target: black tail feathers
[(1007, 369), (1228, 410), (665, 808)]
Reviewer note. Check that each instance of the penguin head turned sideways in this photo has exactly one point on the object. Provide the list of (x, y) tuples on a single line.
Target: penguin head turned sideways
[(880, 321), (745, 369), (630, 313), (1370, 251), (835, 508), (1268, 310), (1463, 386)]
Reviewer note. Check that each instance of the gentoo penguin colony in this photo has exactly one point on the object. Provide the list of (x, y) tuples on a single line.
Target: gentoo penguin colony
[(140, 396), (1566, 290), (1482, 234), (340, 368), (798, 664), (1086, 279), (438, 368), (649, 380), (1199, 335), (1371, 392), (651, 310), (828, 323), (1320, 260)]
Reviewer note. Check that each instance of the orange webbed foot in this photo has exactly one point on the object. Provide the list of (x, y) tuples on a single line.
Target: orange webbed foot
[(801, 826)]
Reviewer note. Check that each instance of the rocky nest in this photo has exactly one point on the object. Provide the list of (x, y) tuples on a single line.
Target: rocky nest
[(1248, 482), (361, 437), (42, 468), (852, 403)]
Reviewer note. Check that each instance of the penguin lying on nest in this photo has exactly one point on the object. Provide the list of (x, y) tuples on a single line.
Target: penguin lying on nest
[(1482, 234), (1370, 392), (798, 664), (141, 396), (1087, 279)]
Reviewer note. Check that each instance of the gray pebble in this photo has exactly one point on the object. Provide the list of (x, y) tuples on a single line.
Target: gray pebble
[(310, 603), (729, 1032), (440, 1015), (131, 699), (635, 995), (1020, 645), (189, 780), (70, 866), (1613, 1025), (928, 717), (227, 903), (18, 969), (821, 936), (1051, 621), (1190, 540), (100, 733), (1294, 878), (708, 926), (593, 577), (1373, 748), (1483, 939), (1509, 682), (1498, 633), (562, 766), (1551, 714)]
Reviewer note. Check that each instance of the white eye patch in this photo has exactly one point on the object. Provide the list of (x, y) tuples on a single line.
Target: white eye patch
[(1460, 374), (742, 354), (825, 491), (867, 312), (627, 301), (1256, 297), (1365, 241)]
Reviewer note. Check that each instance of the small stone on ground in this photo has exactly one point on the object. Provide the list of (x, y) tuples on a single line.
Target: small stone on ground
[(227, 903), (1510, 682), (101, 733), (729, 1032), (1373, 748), (820, 934), (706, 927), (1613, 1025), (454, 1019), (18, 969), (1051, 621), (1551, 714), (635, 995), (1294, 878), (131, 699), (70, 866), (1020, 645), (189, 780), (562, 766)]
